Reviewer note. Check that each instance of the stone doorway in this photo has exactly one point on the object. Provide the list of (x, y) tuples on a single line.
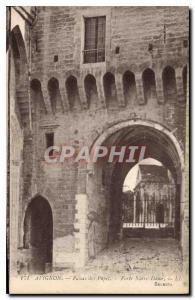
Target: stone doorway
[(105, 180), (38, 236)]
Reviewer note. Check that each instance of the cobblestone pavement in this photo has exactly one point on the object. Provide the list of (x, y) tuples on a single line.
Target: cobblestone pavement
[(134, 256), (131, 265), (135, 265), (139, 255)]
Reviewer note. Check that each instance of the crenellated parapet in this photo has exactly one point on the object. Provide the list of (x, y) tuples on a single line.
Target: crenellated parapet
[(113, 89)]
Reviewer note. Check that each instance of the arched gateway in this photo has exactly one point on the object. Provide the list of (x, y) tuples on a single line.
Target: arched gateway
[(38, 235), (105, 179)]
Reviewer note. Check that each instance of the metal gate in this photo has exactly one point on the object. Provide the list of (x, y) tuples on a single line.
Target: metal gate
[(148, 215)]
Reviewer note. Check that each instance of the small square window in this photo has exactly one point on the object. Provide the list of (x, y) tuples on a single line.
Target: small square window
[(49, 141), (55, 58), (95, 33), (117, 50)]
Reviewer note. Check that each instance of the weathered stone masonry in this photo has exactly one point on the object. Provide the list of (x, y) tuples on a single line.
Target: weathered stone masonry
[(143, 87)]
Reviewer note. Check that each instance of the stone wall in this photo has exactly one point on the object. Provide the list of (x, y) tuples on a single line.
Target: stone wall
[(148, 38)]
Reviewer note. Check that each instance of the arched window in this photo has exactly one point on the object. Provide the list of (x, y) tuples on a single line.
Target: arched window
[(169, 83), (90, 89), (72, 92), (37, 96), (129, 86), (149, 84), (110, 89), (54, 93)]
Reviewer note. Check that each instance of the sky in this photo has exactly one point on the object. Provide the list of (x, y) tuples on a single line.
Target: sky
[(130, 179)]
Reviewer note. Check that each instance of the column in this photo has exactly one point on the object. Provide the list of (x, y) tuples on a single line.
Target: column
[(64, 95), (159, 88), (134, 208), (100, 90), (119, 88), (82, 93), (143, 211), (139, 88), (46, 97)]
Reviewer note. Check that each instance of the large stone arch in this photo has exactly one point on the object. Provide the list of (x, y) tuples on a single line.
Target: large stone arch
[(169, 152), (99, 140), (19, 69), (17, 77), (19, 51)]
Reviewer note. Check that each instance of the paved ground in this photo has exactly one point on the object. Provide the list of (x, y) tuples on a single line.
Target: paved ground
[(139, 255), (136, 257), (135, 265)]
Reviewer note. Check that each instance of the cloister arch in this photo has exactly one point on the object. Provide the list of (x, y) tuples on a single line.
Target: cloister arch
[(105, 197)]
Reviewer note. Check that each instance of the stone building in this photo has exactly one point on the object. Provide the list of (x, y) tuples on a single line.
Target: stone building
[(18, 21), (153, 202), (93, 76), (154, 197), (149, 210)]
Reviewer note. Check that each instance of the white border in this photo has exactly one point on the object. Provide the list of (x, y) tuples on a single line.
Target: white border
[(190, 3)]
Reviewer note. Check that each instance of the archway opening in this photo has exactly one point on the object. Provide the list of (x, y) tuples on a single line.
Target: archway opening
[(91, 90), (169, 84), (148, 203), (38, 235), (72, 92), (129, 86), (149, 84), (110, 89), (105, 188)]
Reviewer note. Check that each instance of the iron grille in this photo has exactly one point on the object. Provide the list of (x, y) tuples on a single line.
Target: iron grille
[(149, 213)]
